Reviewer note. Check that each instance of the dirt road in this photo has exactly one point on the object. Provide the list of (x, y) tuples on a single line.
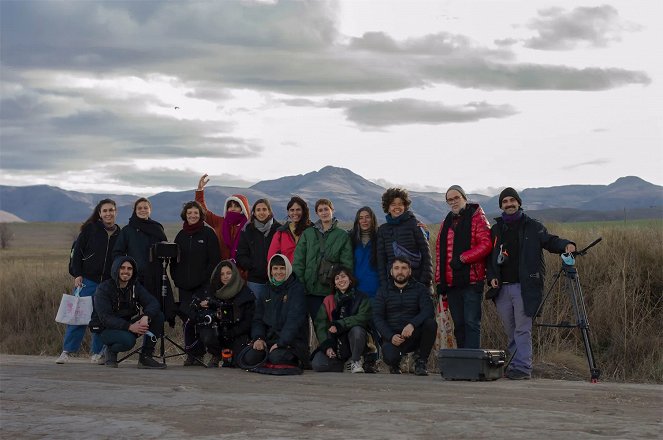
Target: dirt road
[(39, 399)]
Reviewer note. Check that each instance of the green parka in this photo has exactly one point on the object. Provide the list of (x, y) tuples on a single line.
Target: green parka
[(338, 249), (360, 314)]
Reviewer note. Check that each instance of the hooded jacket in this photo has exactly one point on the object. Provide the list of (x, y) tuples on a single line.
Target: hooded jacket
[(93, 252), (115, 307), (338, 249), (280, 316), (408, 234), (216, 221), (533, 237)]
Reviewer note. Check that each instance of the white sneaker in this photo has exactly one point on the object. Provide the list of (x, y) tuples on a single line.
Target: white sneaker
[(98, 359), (63, 359), (355, 367)]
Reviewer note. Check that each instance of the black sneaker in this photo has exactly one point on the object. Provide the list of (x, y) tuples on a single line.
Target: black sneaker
[(111, 359), (420, 369), (371, 367), (518, 375), (189, 361), (148, 362), (394, 369)]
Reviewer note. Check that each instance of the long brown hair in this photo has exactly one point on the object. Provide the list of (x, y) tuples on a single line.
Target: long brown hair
[(95, 216)]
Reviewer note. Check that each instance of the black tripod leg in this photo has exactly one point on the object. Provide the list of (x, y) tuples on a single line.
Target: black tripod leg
[(582, 322)]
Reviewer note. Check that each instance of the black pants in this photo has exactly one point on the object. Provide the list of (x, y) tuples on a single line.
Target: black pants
[(214, 341), (279, 356), (421, 341)]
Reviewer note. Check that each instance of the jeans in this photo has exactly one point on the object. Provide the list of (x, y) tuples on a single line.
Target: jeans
[(465, 308), (73, 335), (258, 289), (517, 326), (124, 340)]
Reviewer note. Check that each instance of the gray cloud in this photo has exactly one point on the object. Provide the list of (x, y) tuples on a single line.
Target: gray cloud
[(595, 162), (559, 29), (177, 179), (412, 111)]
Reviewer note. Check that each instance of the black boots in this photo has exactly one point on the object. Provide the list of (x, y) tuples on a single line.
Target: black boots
[(146, 361), (420, 368), (111, 359)]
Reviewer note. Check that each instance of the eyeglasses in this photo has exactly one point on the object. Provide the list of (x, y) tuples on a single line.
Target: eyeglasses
[(453, 199)]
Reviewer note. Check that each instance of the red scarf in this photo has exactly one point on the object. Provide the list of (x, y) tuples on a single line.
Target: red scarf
[(192, 229)]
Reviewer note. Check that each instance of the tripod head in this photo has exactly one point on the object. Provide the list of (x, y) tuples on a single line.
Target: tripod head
[(568, 259)]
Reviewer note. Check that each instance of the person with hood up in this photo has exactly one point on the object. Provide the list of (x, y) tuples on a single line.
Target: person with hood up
[(254, 242), (228, 226), (402, 236), (227, 312), (286, 237), (342, 326), (279, 325), (124, 310), (320, 249)]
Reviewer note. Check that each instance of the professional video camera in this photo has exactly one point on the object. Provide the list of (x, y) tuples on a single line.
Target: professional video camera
[(216, 313)]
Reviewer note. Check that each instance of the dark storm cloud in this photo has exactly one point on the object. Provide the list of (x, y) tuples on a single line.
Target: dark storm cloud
[(412, 111), (559, 29)]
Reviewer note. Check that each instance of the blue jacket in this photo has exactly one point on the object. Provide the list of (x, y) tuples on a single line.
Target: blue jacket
[(367, 275)]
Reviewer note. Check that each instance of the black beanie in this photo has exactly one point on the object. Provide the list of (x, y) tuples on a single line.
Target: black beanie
[(510, 192)]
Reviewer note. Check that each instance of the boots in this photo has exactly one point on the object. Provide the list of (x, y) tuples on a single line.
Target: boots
[(420, 368), (145, 360), (111, 359)]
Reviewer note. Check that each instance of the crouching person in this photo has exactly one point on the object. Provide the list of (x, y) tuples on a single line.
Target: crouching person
[(224, 316), (341, 325), (403, 314), (124, 311), (279, 327)]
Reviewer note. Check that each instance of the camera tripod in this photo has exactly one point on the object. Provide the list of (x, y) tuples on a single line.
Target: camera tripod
[(574, 291)]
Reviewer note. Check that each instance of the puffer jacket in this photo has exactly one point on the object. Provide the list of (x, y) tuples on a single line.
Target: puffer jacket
[(338, 249), (199, 255), (252, 251), (280, 316), (407, 234), (533, 237), (92, 257), (480, 246), (283, 243), (395, 307)]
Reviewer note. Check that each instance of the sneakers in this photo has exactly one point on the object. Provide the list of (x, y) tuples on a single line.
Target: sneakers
[(63, 359), (355, 367), (110, 359), (214, 362), (394, 369), (420, 368), (371, 367), (189, 361), (518, 375), (99, 358), (147, 362)]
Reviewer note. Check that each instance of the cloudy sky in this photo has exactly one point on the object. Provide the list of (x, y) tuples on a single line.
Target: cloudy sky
[(144, 96)]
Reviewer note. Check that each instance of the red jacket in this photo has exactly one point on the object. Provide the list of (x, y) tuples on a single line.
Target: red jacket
[(480, 247), (216, 221), (284, 243)]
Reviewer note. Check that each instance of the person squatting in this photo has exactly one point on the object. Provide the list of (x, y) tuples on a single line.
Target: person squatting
[(259, 295)]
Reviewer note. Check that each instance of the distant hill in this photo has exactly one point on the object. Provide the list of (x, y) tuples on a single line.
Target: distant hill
[(628, 196), (8, 217)]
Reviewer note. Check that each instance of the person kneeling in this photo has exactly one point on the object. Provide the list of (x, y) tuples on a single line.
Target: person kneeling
[(124, 310), (341, 325), (224, 317), (279, 327), (403, 314)]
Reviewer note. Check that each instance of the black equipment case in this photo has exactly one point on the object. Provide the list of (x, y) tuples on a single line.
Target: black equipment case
[(471, 364)]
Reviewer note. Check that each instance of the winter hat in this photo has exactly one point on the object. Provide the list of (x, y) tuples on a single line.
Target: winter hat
[(457, 188), (510, 192), (243, 203)]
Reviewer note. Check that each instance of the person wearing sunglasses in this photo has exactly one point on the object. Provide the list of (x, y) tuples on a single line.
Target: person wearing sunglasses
[(516, 271)]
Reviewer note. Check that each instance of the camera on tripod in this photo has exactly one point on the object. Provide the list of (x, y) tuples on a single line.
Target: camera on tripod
[(164, 250), (216, 313)]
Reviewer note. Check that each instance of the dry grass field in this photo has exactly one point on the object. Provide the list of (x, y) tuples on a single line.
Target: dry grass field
[(622, 279)]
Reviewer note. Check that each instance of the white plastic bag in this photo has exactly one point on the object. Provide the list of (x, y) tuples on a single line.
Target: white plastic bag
[(74, 309)]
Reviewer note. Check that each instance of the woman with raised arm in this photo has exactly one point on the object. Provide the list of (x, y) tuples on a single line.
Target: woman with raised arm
[(228, 226), (91, 263), (286, 237)]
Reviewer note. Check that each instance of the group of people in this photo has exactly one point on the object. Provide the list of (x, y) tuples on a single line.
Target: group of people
[(248, 285)]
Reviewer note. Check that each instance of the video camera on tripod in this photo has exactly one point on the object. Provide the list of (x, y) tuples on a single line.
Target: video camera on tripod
[(217, 312)]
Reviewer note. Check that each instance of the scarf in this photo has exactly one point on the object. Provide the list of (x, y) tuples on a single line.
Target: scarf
[(293, 227), (192, 229), (462, 240), (365, 237), (266, 227), (230, 290), (232, 225), (397, 220), (512, 218), (149, 227)]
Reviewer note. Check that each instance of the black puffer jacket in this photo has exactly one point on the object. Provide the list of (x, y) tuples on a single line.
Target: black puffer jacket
[(394, 308), (252, 251), (114, 307), (199, 255), (92, 257), (407, 234), (533, 238)]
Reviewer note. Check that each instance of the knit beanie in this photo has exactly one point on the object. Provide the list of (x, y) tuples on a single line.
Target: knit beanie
[(510, 192), (457, 188)]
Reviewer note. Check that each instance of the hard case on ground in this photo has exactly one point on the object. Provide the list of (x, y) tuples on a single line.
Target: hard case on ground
[(471, 364)]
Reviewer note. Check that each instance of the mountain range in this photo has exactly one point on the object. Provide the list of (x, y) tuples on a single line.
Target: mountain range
[(628, 197)]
